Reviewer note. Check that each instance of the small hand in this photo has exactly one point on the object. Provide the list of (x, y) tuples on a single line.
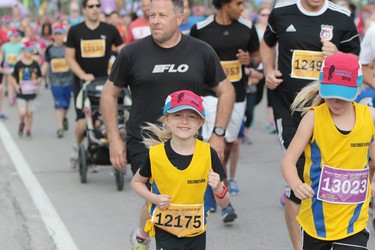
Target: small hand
[(273, 79), (163, 201), (88, 77), (214, 180), (243, 57), (303, 191), (328, 48)]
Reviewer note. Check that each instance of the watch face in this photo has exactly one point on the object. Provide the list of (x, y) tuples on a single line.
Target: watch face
[(219, 131)]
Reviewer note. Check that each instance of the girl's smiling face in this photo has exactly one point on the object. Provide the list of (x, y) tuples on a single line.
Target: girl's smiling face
[(184, 124)]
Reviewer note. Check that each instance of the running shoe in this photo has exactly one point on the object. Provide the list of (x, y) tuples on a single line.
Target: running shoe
[(20, 129), (28, 133), (60, 133), (233, 187), (65, 124), (228, 214), (139, 243), (74, 158), (3, 116), (271, 129)]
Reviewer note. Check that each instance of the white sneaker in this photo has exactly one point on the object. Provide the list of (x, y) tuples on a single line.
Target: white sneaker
[(94, 169), (139, 243), (73, 161)]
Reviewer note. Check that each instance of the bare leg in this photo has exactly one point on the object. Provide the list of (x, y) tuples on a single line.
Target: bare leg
[(29, 120), (227, 151), (233, 158), (60, 115), (80, 131), (143, 217), (291, 211), (1, 98)]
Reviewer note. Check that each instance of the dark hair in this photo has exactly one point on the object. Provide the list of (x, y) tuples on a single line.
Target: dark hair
[(84, 3), (219, 3), (178, 5), (47, 24)]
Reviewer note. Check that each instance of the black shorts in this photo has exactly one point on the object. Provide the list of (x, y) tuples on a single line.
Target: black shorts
[(356, 241), (287, 125), (136, 153), (167, 241), (77, 85)]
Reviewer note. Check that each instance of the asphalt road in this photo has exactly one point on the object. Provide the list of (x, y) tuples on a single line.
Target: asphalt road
[(44, 206)]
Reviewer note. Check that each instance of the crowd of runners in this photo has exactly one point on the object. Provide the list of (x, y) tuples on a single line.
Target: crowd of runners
[(207, 69)]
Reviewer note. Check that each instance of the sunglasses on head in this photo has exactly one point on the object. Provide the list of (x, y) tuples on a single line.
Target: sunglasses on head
[(93, 5)]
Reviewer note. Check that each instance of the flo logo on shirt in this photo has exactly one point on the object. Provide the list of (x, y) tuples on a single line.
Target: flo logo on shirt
[(170, 68)]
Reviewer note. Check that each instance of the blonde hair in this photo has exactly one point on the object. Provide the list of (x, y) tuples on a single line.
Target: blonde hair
[(308, 97), (154, 134)]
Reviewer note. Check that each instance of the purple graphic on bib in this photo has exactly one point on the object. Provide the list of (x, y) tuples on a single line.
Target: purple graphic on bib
[(343, 186)]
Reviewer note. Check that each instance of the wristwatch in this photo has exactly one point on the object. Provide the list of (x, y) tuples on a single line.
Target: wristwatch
[(219, 131)]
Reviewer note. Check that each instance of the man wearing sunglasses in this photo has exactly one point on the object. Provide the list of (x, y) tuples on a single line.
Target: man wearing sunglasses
[(88, 50)]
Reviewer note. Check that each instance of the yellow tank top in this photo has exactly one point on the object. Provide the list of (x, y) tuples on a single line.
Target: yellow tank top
[(186, 216), (328, 146)]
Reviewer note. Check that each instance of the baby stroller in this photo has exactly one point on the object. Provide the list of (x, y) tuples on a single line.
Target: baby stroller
[(94, 150)]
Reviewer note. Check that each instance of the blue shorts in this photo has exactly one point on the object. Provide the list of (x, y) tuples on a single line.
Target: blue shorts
[(62, 96)]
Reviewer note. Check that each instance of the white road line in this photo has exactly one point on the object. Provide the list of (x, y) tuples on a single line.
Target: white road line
[(48, 213)]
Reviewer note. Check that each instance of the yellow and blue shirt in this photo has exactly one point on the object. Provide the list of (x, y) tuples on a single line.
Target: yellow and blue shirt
[(187, 188), (328, 146)]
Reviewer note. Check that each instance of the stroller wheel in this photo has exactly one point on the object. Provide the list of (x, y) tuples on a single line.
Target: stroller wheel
[(82, 160), (119, 174)]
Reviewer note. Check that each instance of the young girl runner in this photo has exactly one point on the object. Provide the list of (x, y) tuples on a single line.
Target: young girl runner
[(336, 135), (180, 169), (26, 79)]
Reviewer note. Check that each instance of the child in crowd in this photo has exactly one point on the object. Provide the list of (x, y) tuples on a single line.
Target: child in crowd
[(336, 135), (9, 55), (180, 170), (60, 77), (26, 79)]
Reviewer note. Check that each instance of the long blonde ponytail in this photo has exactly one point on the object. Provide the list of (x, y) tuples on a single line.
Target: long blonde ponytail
[(308, 97)]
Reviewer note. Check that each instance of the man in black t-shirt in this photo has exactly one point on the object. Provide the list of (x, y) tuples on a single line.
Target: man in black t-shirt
[(236, 43), (88, 50), (152, 68), (306, 31)]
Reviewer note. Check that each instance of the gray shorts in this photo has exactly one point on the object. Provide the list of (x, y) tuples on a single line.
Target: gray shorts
[(28, 105)]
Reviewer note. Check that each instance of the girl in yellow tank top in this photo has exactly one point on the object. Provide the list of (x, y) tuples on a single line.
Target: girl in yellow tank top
[(176, 200), (336, 135)]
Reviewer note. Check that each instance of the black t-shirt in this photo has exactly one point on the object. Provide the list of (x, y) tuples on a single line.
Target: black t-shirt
[(226, 40), (26, 72), (93, 47), (153, 72), (181, 162), (293, 28)]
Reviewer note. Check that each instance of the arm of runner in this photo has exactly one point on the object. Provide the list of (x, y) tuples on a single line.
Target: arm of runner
[(292, 154), (218, 188), (249, 59), (226, 96), (243, 57), (108, 108), (268, 56), (162, 201), (13, 82), (75, 67)]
